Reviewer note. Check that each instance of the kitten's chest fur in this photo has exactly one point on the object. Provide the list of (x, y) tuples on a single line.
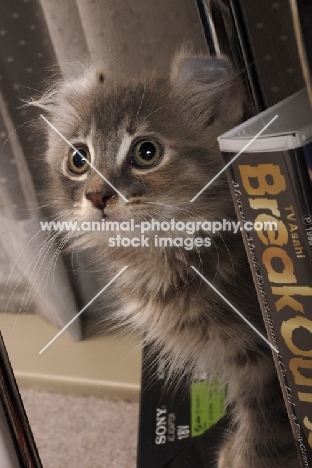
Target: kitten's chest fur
[(161, 295)]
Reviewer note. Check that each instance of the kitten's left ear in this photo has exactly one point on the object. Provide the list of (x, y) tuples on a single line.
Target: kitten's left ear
[(209, 88)]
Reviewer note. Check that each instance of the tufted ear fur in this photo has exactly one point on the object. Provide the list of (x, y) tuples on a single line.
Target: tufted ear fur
[(209, 88), (77, 80)]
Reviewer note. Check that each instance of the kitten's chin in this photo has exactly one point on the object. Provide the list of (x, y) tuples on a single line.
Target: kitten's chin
[(113, 216)]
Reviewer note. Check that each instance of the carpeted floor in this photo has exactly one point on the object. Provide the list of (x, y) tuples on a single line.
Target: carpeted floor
[(80, 432)]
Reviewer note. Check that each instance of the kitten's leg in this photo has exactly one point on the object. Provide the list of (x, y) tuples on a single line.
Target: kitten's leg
[(262, 436)]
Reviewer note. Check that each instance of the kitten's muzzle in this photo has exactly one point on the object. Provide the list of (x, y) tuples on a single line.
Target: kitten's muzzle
[(100, 199)]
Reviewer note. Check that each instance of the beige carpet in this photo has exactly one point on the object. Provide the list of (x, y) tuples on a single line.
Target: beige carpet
[(80, 432)]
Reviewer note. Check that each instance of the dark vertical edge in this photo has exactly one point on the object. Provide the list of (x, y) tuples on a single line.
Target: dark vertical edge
[(301, 11), (248, 58), (16, 416), (233, 41), (206, 26)]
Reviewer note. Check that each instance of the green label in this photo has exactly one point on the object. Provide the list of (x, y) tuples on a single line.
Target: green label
[(207, 405)]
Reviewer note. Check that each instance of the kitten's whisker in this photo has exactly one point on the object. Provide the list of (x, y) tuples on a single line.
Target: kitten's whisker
[(59, 251), (72, 255), (18, 283), (156, 110), (55, 256), (29, 223), (47, 243), (15, 264), (143, 94), (193, 214), (33, 276), (15, 130), (45, 205), (52, 263), (33, 286), (17, 261)]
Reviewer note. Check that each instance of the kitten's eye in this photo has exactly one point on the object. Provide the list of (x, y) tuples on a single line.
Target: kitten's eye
[(146, 153), (76, 162)]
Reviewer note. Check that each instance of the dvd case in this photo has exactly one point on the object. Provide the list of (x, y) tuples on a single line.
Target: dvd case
[(180, 423), (271, 187)]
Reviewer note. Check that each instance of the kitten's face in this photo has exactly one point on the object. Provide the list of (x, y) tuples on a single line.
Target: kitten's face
[(153, 140)]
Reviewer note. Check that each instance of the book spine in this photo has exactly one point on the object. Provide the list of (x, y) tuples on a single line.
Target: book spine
[(272, 194)]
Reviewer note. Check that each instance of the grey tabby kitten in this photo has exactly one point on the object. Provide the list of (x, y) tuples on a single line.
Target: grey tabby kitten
[(155, 140)]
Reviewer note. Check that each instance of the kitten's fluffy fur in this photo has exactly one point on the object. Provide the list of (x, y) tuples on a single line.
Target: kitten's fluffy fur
[(159, 292)]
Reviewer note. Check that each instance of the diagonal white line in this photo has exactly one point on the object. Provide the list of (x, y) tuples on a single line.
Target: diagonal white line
[(235, 310), (232, 160), (84, 308), (88, 162)]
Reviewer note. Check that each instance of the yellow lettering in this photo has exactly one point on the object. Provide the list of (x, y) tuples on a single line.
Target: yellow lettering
[(262, 174), (308, 425), (288, 301), (305, 397), (287, 329), (292, 290), (287, 275), (298, 363), (265, 204), (279, 237)]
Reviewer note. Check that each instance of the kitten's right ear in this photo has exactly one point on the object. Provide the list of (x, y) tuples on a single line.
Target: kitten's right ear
[(208, 87), (77, 79)]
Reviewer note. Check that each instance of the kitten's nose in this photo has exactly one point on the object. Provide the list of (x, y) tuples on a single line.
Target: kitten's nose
[(99, 199)]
